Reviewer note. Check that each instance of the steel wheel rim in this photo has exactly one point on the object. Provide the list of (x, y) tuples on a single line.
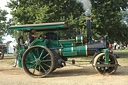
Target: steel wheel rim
[(38, 61), (101, 60)]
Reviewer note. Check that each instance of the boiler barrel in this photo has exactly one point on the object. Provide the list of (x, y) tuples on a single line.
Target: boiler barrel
[(74, 51)]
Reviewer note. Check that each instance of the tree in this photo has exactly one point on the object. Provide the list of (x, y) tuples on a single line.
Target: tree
[(45, 11), (124, 15), (107, 20), (106, 17), (3, 24), (39, 11)]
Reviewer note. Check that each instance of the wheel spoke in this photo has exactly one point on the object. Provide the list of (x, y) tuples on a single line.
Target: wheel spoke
[(104, 70), (100, 61), (110, 62), (43, 68), (34, 69), (45, 60), (37, 52), (31, 66), (41, 53), (31, 62), (39, 70), (33, 55), (38, 61), (45, 56), (46, 65)]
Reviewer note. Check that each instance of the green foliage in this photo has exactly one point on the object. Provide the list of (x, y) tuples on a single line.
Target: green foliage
[(3, 24), (107, 20), (39, 11), (106, 16), (45, 11), (124, 15)]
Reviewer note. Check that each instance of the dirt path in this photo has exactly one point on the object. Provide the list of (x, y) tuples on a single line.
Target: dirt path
[(69, 75)]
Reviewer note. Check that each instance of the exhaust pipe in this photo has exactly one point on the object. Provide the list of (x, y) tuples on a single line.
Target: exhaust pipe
[(89, 34)]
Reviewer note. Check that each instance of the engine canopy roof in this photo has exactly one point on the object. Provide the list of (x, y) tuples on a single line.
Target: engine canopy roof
[(40, 27)]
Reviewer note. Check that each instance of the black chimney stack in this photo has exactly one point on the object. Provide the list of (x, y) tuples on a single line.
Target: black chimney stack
[(89, 34)]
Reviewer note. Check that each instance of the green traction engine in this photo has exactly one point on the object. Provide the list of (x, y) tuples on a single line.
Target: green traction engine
[(45, 54)]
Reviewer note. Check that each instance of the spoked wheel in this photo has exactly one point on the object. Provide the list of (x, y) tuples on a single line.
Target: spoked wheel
[(1, 54), (38, 61), (101, 67)]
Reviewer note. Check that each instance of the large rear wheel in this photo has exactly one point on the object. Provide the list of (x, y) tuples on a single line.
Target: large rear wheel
[(38, 61), (102, 67)]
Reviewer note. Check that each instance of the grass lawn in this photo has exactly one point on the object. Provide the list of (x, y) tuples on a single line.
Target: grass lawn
[(8, 59), (123, 54)]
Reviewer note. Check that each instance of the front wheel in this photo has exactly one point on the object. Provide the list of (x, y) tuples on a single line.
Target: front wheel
[(38, 61), (103, 68)]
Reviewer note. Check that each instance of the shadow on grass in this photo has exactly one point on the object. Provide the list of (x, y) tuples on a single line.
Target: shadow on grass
[(121, 71), (78, 71)]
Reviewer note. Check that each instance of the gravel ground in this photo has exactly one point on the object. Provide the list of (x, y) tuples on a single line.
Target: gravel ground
[(69, 75)]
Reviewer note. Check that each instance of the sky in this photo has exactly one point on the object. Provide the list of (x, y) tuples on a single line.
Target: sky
[(2, 6)]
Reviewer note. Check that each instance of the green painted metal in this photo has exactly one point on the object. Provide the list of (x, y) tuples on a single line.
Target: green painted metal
[(37, 59), (56, 44), (106, 55), (53, 44), (21, 50), (39, 27), (79, 39), (43, 26), (68, 43), (66, 48), (70, 53), (39, 42), (31, 59), (74, 51)]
